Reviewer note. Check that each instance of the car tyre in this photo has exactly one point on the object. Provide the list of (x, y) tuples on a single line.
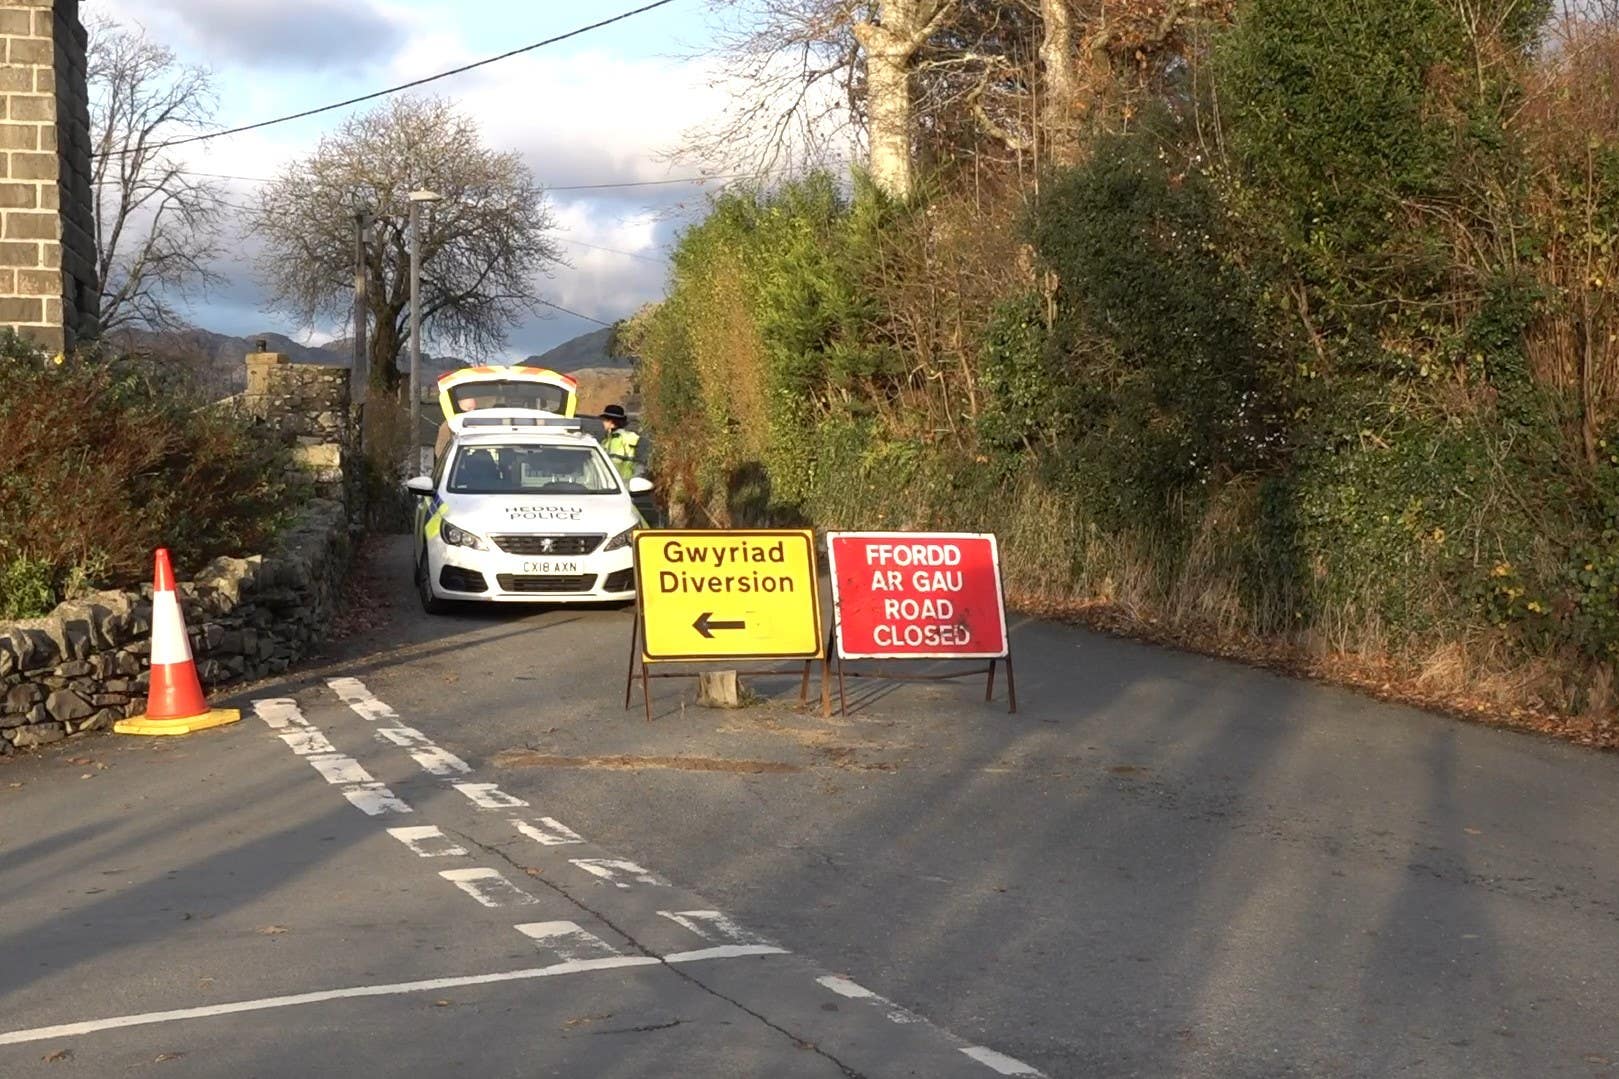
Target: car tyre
[(431, 603)]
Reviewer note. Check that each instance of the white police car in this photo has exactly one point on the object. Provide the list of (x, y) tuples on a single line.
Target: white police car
[(523, 506)]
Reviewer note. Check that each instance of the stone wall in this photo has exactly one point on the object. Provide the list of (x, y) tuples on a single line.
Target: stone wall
[(310, 403), (85, 665), (48, 288)]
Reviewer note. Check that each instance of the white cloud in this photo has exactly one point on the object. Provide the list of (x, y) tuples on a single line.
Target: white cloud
[(283, 35), (577, 118)]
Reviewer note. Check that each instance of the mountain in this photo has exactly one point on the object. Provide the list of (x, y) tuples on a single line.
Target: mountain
[(604, 378), (589, 350)]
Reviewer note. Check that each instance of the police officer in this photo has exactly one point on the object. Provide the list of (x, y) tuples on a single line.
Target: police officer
[(621, 443)]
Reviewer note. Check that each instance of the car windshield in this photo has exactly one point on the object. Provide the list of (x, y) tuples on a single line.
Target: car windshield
[(509, 394), (531, 470)]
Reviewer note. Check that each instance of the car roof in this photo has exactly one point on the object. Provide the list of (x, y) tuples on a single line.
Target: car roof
[(506, 436)]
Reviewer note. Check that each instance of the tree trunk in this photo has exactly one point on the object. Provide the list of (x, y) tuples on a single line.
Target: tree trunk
[(902, 27), (888, 86), (384, 347), (1057, 56)]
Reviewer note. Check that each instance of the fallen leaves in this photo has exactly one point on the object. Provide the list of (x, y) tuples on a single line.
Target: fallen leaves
[(164, 1057), (58, 1056), (271, 930)]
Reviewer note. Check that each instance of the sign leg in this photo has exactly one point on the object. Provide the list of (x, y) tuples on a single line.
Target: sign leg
[(843, 696), (989, 687), (803, 687), (635, 639), (826, 679), (1011, 685), (646, 692)]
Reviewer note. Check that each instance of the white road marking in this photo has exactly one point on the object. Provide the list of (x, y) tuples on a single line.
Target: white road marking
[(403, 736), (439, 762), (373, 799), (611, 869), (307, 741), (279, 712), (568, 941), (843, 987), (335, 768), (1000, 1062), (92, 1026), (552, 834), (724, 951), (489, 796), (427, 841), (488, 887), (360, 699), (712, 925)]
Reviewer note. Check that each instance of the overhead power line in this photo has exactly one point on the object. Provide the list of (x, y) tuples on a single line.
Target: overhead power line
[(207, 135), (612, 250), (575, 314)]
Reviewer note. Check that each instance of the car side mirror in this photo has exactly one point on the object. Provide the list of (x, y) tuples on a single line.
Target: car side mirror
[(421, 486), (640, 485)]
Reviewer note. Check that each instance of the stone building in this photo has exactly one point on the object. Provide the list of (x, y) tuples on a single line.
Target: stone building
[(48, 288)]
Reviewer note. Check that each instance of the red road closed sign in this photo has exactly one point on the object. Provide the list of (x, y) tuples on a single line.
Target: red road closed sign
[(917, 595)]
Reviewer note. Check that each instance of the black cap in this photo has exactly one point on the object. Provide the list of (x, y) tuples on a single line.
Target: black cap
[(615, 413)]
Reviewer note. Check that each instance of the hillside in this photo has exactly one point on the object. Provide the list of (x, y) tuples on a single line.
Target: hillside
[(604, 378)]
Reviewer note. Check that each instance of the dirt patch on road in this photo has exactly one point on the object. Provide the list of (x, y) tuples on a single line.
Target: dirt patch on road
[(528, 758)]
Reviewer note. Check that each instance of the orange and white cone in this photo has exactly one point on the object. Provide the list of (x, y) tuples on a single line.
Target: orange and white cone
[(174, 702)]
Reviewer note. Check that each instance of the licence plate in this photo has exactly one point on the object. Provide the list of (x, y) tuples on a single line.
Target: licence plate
[(550, 568)]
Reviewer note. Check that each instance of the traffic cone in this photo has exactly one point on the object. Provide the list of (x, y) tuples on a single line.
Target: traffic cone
[(174, 702)]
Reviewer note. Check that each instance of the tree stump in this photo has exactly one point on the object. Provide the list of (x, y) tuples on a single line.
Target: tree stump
[(719, 689)]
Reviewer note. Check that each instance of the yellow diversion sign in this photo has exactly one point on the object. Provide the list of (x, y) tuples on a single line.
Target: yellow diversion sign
[(728, 595)]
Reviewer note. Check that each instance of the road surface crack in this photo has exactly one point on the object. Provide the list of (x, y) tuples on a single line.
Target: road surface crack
[(801, 1043), (647, 1029)]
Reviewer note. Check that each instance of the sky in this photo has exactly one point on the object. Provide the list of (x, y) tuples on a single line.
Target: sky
[(603, 108)]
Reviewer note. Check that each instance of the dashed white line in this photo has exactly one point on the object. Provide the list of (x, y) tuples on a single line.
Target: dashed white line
[(336, 768), (568, 940), (855, 991), (439, 762), (427, 841), (549, 832), (1000, 1062), (403, 736), (488, 887), (489, 796), (307, 742), (613, 870), (279, 712), (360, 699), (373, 799), (712, 925)]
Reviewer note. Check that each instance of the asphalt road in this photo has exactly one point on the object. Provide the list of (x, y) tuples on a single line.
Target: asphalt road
[(1164, 865)]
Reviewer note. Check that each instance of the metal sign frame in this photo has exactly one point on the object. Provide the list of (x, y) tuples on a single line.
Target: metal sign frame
[(639, 658), (835, 655)]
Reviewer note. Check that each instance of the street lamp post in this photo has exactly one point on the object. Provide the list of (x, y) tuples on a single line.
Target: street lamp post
[(416, 200)]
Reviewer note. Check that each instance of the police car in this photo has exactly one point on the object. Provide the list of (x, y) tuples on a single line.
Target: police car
[(523, 506)]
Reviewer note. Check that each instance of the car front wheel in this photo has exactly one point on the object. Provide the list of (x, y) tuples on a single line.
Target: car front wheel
[(431, 603)]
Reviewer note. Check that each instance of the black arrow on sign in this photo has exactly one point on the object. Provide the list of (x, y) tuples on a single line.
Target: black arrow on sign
[(706, 622)]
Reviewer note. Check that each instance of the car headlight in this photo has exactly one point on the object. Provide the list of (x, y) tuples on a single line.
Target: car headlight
[(460, 537), (620, 540)]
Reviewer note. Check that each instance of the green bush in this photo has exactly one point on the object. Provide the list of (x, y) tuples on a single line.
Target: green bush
[(109, 459)]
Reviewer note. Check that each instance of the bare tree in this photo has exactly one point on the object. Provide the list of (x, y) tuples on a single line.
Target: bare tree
[(795, 86), (156, 225), (483, 248)]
